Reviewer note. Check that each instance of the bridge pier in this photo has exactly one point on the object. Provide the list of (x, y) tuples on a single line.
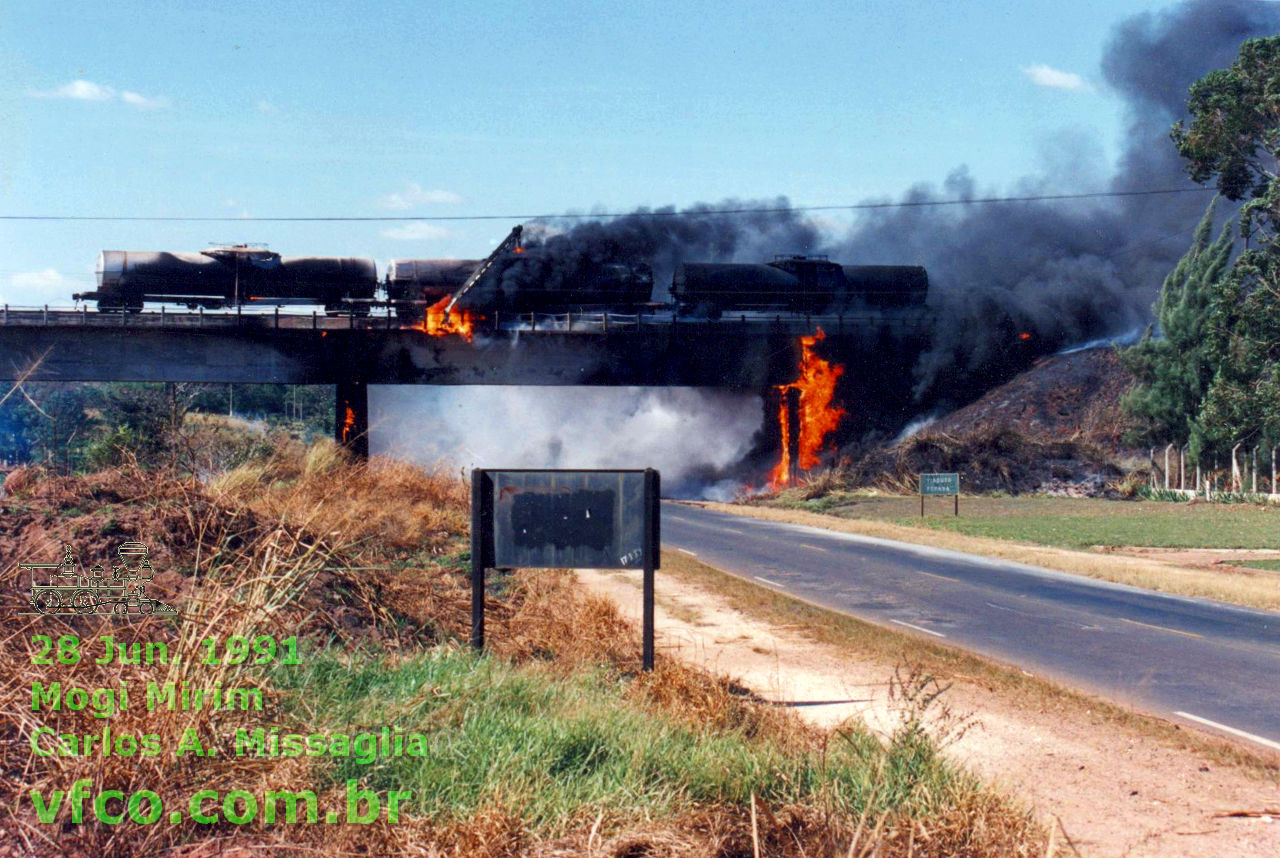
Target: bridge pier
[(351, 417)]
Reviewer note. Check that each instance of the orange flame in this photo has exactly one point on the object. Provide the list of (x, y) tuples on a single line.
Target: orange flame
[(348, 423), (818, 419), (437, 323), (1024, 336)]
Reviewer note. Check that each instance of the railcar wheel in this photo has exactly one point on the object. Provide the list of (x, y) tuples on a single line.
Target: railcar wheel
[(85, 602), (48, 603)]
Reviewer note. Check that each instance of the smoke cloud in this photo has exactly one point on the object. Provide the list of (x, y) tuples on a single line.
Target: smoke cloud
[(1064, 272), (692, 436)]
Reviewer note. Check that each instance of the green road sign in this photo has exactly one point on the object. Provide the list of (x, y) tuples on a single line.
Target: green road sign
[(939, 484)]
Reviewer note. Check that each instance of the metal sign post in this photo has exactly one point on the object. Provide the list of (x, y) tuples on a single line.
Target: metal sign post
[(545, 519), (940, 484)]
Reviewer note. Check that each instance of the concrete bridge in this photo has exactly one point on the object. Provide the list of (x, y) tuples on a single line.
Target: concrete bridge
[(749, 352)]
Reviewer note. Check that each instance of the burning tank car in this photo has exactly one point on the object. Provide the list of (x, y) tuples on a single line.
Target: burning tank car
[(526, 281), (229, 277), (795, 284)]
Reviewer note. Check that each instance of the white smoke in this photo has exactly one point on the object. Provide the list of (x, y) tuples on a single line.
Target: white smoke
[(690, 435)]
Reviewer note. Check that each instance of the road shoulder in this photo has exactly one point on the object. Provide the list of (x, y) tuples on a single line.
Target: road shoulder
[(1117, 789)]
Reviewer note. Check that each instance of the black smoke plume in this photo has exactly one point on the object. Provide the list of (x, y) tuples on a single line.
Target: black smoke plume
[(1061, 271)]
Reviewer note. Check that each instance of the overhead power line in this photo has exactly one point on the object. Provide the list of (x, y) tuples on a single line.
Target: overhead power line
[(905, 204)]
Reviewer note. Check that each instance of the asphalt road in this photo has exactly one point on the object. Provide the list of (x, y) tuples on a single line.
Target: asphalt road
[(1191, 659)]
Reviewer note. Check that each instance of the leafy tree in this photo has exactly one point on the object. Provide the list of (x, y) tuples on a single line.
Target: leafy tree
[(1174, 370), (1234, 135)]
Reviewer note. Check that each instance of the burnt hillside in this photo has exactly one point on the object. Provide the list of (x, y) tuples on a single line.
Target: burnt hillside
[(1064, 397), (1056, 428)]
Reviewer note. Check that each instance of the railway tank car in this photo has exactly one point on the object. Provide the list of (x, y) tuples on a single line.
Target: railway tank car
[(524, 282), (795, 284), (228, 277), (414, 284)]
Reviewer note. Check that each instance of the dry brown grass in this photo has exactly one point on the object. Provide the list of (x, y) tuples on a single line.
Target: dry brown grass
[(308, 542), (382, 507), (1250, 591)]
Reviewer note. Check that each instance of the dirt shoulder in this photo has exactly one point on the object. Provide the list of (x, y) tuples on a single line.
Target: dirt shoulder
[(1166, 571), (1115, 789)]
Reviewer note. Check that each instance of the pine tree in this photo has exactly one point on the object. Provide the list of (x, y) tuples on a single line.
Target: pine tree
[(1243, 400), (1175, 366)]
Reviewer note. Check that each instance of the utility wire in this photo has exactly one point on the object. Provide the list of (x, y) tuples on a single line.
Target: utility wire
[(596, 216)]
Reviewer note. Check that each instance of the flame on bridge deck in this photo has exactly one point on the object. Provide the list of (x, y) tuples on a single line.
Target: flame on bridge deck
[(438, 323), (818, 418)]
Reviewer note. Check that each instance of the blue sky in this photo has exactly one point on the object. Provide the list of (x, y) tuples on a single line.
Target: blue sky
[(427, 109)]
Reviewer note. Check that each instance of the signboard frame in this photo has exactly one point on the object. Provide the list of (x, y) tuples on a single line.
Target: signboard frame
[(484, 529), (932, 484)]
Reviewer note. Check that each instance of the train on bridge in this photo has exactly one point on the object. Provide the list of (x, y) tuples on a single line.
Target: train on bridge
[(512, 280)]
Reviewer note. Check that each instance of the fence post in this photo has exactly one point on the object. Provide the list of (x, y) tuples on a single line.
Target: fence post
[(1152, 458), (6, 314), (45, 318), (1236, 482), (162, 315), (277, 317), (1167, 448), (1255, 469), (1182, 468), (201, 316)]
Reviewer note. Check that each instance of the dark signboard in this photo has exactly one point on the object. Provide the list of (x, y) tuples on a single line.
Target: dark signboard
[(582, 519), (564, 519)]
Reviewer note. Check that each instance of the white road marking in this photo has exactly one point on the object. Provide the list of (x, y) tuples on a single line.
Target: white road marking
[(686, 551), (1161, 628), (1232, 730), (936, 575), (811, 547), (919, 629), (767, 581), (1001, 608), (731, 530)]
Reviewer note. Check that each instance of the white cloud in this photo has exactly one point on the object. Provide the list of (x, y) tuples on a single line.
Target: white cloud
[(81, 90), (413, 195), (267, 107), (87, 90), (142, 102), (37, 288), (417, 231), (1043, 75)]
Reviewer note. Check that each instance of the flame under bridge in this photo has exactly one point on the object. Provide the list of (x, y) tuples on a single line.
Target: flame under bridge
[(751, 352)]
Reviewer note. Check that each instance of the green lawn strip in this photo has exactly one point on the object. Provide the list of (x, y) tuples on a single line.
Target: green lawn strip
[(1066, 522), (552, 748), (1269, 565)]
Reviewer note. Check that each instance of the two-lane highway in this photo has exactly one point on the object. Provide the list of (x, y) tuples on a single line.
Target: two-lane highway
[(1207, 662)]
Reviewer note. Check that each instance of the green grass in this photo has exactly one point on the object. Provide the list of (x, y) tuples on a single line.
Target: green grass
[(553, 747), (1069, 522), (1269, 565)]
